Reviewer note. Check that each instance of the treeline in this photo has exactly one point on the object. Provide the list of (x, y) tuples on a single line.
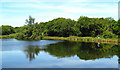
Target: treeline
[(62, 27), (6, 30)]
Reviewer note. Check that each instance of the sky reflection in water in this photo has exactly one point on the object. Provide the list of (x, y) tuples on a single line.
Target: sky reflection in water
[(58, 54)]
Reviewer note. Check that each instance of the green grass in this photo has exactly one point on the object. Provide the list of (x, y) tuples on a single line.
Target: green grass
[(71, 38), (92, 38), (7, 36), (83, 39), (95, 38)]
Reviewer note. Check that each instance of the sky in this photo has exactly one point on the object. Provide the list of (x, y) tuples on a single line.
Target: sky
[(15, 12)]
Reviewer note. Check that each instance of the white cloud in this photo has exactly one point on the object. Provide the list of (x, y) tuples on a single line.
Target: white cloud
[(13, 21), (71, 9), (67, 8)]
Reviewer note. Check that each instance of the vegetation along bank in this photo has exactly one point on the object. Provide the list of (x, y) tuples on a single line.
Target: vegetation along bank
[(84, 27)]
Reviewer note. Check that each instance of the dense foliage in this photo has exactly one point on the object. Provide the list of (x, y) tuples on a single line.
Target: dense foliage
[(6, 30), (62, 27)]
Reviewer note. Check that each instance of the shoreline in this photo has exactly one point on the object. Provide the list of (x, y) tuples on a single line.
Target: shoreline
[(71, 38), (82, 39)]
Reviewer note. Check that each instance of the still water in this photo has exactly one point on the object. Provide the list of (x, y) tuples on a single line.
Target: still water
[(58, 54)]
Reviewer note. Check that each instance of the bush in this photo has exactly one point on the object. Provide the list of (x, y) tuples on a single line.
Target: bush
[(6, 29), (108, 34), (19, 36)]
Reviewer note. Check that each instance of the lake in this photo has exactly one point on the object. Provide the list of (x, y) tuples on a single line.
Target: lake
[(58, 54)]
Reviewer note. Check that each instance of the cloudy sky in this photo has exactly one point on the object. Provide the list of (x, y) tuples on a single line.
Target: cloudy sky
[(15, 12)]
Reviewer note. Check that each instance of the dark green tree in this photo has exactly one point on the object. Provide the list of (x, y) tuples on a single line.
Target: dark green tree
[(6, 29)]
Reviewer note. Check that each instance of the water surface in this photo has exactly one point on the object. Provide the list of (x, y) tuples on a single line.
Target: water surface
[(58, 54)]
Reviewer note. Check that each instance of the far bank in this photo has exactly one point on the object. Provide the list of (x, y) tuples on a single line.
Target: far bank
[(84, 39), (71, 38)]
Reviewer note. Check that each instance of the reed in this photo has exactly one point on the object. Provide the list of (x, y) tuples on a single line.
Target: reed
[(84, 39)]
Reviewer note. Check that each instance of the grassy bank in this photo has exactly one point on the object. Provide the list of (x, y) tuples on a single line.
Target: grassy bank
[(71, 38), (84, 39), (7, 36)]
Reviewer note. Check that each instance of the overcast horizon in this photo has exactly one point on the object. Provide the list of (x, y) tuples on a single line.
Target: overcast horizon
[(15, 13)]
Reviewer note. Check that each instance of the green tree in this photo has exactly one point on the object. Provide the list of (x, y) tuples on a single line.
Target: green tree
[(6, 29), (62, 27), (27, 33)]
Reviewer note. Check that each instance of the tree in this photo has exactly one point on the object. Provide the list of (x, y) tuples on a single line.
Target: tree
[(30, 21), (94, 26), (6, 29), (62, 27), (28, 33)]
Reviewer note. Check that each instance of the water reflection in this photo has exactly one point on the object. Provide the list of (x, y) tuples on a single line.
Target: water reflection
[(33, 51), (119, 55), (60, 54), (98, 44), (83, 50)]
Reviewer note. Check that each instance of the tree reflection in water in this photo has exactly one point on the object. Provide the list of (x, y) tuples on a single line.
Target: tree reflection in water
[(84, 50), (32, 51)]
